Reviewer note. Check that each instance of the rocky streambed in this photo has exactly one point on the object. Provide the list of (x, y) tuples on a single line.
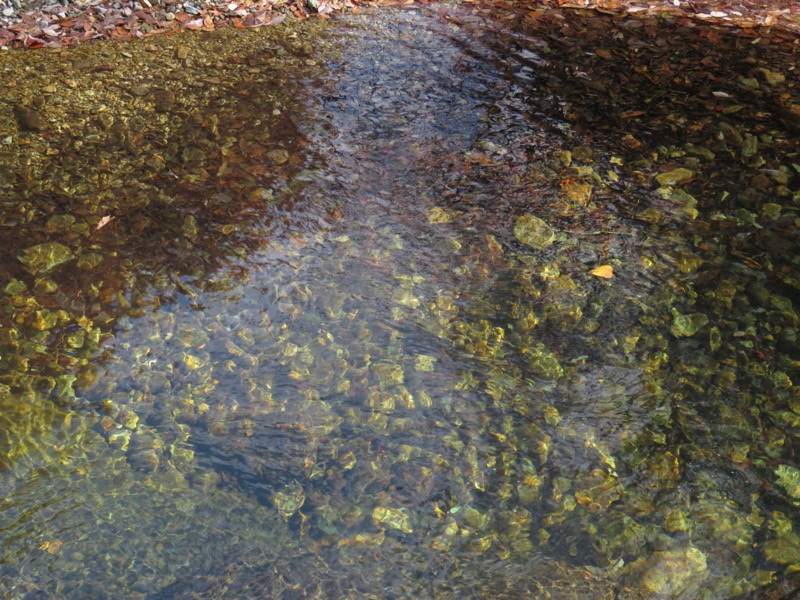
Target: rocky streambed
[(406, 303)]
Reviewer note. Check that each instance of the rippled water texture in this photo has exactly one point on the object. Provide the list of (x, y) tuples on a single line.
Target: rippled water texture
[(325, 312)]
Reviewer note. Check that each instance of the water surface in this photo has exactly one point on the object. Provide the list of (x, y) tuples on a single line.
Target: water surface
[(315, 351)]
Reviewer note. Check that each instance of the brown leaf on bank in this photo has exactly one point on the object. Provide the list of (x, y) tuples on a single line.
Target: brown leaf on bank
[(31, 42), (146, 18)]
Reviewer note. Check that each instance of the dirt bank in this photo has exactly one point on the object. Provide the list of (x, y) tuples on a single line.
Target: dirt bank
[(44, 24)]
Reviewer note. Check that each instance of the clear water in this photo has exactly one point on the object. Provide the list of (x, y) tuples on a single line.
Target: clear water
[(310, 355)]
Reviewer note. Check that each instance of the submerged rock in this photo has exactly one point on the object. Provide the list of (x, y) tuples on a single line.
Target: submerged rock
[(687, 325), (784, 550), (673, 573), (675, 177), (790, 116), (290, 499), (393, 518), (44, 257), (534, 232), (543, 363), (789, 479), (437, 215), (29, 119)]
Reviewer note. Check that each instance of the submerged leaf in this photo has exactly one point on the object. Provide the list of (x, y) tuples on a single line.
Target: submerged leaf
[(606, 271), (103, 222)]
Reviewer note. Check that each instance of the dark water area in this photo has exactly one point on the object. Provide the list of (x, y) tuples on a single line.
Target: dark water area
[(399, 305)]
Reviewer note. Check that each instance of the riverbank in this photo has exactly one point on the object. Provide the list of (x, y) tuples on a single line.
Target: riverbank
[(42, 25), (45, 24)]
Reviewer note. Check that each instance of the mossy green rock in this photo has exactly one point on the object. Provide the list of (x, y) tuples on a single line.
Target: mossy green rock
[(534, 232), (44, 257)]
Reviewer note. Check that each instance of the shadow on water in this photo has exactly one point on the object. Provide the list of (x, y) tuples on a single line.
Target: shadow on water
[(637, 89), (141, 192), (149, 198), (342, 335)]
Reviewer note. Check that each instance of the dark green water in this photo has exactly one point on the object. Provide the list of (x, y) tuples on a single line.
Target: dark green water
[(342, 337)]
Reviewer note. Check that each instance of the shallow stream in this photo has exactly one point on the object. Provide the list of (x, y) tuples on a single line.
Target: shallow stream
[(360, 309)]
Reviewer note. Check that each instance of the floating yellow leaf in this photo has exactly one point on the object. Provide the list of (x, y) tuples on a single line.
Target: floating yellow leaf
[(606, 271)]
